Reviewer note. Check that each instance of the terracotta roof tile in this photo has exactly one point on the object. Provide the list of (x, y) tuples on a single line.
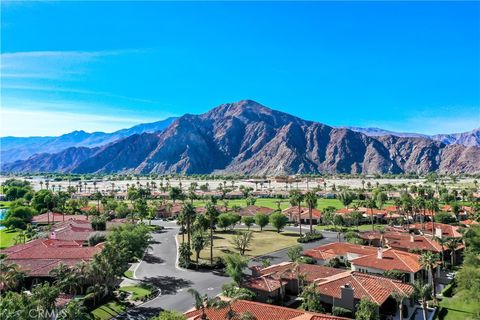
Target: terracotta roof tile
[(392, 260)]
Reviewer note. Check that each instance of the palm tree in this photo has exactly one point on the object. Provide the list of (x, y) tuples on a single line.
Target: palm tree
[(423, 292), (442, 242), (432, 205), (399, 297), (211, 213), (188, 211), (296, 198), (181, 220), (46, 295), (10, 276), (311, 200), (202, 302), (370, 204), (428, 261), (452, 244)]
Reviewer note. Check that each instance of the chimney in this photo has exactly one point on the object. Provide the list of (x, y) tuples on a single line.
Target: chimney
[(380, 253), (412, 238), (438, 233), (346, 297), (53, 235)]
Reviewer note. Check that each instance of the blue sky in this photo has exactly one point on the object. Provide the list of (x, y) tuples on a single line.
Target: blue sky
[(102, 66)]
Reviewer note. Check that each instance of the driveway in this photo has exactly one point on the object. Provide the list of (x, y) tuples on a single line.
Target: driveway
[(159, 269)]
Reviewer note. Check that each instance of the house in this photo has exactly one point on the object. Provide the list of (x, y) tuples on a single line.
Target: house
[(293, 215), (53, 217), (260, 311), (390, 260), (38, 257), (72, 230), (266, 288), (437, 229), (344, 251), (252, 210), (401, 240), (348, 288), (169, 210), (295, 275)]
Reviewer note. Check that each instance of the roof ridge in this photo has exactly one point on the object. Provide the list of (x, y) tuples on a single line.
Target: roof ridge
[(364, 289)]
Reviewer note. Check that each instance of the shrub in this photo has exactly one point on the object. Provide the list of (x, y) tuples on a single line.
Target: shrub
[(96, 238), (99, 223), (341, 312), (278, 221), (307, 260), (309, 237), (448, 290)]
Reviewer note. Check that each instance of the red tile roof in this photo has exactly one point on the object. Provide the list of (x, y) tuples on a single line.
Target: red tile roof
[(375, 288), (290, 270), (263, 283), (468, 222), (253, 210), (331, 250), (403, 240), (293, 211), (57, 217), (447, 230), (261, 311), (392, 260), (39, 256)]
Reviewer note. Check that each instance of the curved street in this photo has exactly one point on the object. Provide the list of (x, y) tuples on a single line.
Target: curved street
[(159, 269)]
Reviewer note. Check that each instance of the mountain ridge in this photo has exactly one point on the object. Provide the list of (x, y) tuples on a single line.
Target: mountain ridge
[(246, 137)]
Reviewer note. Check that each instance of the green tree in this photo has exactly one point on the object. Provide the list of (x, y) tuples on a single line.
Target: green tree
[(46, 295), (400, 297), (311, 200), (242, 241), (189, 212), (199, 241), (234, 265), (294, 253), (296, 198), (212, 214), (311, 299), (175, 194), (261, 220), (346, 197), (278, 221), (423, 292), (428, 261), (248, 221), (367, 310), (170, 315)]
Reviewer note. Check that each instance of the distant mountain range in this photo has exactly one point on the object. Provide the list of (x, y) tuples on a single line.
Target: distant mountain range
[(16, 148), (469, 139), (248, 138)]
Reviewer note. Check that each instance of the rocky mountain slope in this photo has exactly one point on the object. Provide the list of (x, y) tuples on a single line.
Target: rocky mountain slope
[(469, 139), (18, 148), (248, 138)]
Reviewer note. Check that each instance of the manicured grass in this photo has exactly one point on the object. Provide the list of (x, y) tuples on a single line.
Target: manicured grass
[(138, 292), (108, 310), (273, 203), (363, 227), (458, 308), (6, 238), (263, 242), (128, 274)]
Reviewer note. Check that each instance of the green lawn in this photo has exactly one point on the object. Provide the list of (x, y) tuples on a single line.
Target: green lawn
[(363, 227), (108, 310), (263, 242), (128, 274), (5, 204), (458, 308), (6, 238), (273, 203), (138, 292)]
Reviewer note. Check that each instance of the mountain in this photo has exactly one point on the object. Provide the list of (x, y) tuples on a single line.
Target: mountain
[(469, 139), (248, 138), (16, 148)]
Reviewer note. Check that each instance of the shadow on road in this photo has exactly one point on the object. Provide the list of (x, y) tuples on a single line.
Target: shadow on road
[(168, 285), (149, 258), (140, 313)]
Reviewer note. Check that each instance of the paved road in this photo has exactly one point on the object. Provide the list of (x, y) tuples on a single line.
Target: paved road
[(159, 269)]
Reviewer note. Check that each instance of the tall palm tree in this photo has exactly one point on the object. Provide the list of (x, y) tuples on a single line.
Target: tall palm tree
[(423, 292), (452, 244), (370, 204), (428, 261), (10, 276), (442, 242), (296, 198), (311, 200), (189, 213), (211, 213), (202, 302), (399, 297)]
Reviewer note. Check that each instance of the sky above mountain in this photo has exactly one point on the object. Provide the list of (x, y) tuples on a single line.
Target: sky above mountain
[(102, 66)]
